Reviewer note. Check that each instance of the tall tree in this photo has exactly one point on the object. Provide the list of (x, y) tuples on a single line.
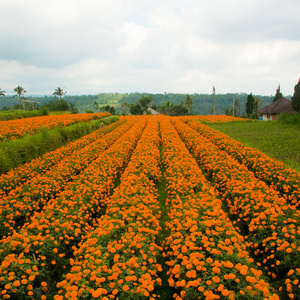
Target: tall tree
[(125, 108), (136, 109), (256, 104), (167, 106), (296, 97), (278, 94), (2, 92), (145, 101), (20, 92), (179, 110), (59, 92), (233, 110), (189, 102), (250, 104), (237, 106), (109, 109)]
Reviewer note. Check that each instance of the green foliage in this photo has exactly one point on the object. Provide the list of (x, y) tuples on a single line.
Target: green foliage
[(202, 103), (20, 92), (45, 112), (291, 119), (229, 111), (145, 101), (108, 108), (60, 105), (278, 94), (140, 107), (296, 97), (171, 109), (73, 108), (136, 109), (59, 92), (154, 106), (166, 106), (189, 102), (250, 104), (180, 110), (277, 140), (19, 114), (19, 151)]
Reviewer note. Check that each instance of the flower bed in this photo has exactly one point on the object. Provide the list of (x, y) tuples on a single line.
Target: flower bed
[(18, 206), (38, 254), (14, 129), (207, 256), (18, 176), (118, 260), (216, 118), (268, 222), (106, 229), (271, 171)]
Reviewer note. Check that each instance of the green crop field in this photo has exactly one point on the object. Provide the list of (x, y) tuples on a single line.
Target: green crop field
[(277, 140)]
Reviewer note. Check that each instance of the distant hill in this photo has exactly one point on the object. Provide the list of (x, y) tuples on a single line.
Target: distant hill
[(203, 103)]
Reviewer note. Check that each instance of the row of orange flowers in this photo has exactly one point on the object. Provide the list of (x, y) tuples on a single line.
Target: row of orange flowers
[(118, 260), (217, 118), (205, 254), (20, 203), (269, 224), (14, 129), (18, 176), (115, 256), (271, 171), (36, 256)]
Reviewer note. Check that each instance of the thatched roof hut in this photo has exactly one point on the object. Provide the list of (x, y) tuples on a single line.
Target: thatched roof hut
[(271, 111)]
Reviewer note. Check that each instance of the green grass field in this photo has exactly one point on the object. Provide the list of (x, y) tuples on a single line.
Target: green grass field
[(277, 140)]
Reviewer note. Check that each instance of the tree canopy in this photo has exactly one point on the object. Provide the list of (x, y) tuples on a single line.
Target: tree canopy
[(278, 94), (59, 92), (20, 92), (296, 97), (109, 109), (136, 109), (189, 102), (250, 104), (145, 101)]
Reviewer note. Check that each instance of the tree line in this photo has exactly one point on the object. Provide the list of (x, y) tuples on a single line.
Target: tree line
[(137, 103), (56, 104), (253, 104)]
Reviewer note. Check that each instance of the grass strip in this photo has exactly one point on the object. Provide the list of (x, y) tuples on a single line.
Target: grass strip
[(16, 152)]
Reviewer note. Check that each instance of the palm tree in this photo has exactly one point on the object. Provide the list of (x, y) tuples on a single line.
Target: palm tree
[(189, 102), (2, 93), (20, 91), (166, 107), (59, 92)]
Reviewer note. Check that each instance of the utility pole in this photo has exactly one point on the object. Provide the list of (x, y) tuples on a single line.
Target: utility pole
[(233, 105), (214, 97)]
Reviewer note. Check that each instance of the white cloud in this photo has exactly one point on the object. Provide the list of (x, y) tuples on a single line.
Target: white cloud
[(150, 46)]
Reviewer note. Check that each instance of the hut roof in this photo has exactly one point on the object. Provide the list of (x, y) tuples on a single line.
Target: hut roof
[(279, 106), (153, 111)]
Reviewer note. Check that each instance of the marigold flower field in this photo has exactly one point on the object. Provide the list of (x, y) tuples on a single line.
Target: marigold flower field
[(151, 207), (14, 129)]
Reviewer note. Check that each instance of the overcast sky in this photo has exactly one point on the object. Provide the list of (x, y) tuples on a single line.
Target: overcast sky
[(152, 46)]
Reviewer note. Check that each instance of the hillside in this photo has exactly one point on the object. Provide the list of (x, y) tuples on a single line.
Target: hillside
[(203, 103)]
